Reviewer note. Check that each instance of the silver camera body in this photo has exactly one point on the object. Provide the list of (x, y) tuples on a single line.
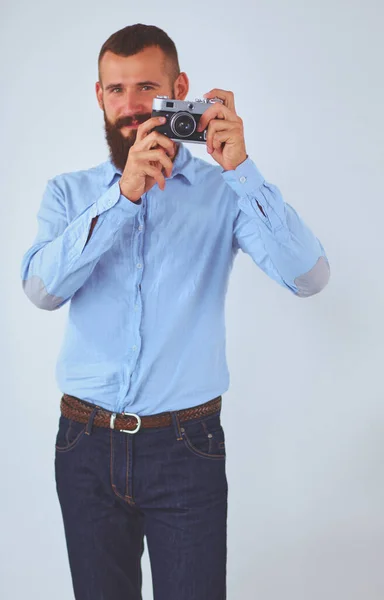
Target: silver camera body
[(183, 117)]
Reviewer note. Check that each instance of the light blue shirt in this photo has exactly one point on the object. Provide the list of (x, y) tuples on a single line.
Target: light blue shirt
[(146, 329)]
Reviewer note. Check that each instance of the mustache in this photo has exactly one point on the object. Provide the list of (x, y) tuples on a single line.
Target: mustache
[(128, 121)]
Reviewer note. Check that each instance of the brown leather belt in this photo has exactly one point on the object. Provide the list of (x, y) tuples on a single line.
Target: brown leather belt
[(80, 411)]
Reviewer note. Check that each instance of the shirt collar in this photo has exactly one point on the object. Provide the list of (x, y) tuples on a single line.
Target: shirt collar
[(184, 165)]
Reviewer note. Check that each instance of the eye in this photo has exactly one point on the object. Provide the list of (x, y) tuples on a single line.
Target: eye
[(115, 89), (150, 87)]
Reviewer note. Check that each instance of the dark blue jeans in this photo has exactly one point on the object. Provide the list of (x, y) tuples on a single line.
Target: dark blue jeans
[(167, 484)]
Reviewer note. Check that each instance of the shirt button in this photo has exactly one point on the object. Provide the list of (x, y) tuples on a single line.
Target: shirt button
[(243, 179), (138, 266), (136, 307), (134, 347), (140, 228)]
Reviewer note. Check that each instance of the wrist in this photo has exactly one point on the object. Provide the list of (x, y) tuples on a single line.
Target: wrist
[(238, 163), (127, 194)]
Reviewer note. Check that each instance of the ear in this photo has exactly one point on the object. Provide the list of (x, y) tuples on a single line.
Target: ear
[(99, 94), (181, 86)]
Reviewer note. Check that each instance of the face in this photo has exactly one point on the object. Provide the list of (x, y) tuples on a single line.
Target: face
[(125, 94)]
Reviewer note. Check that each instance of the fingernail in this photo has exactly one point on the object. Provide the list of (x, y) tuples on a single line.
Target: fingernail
[(162, 119)]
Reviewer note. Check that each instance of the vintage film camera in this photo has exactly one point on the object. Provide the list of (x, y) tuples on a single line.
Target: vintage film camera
[(182, 117)]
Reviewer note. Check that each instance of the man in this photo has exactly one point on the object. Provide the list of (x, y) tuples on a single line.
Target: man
[(142, 246)]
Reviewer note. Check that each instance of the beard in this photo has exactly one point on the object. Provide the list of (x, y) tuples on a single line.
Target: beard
[(120, 145)]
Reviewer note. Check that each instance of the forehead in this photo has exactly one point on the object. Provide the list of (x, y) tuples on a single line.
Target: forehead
[(147, 64)]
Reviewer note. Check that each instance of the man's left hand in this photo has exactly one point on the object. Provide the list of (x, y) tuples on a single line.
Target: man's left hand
[(225, 134)]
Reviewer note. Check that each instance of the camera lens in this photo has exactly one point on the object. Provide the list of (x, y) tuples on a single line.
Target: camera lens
[(183, 124)]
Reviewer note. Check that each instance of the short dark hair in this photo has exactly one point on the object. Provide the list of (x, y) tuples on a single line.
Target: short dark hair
[(134, 38)]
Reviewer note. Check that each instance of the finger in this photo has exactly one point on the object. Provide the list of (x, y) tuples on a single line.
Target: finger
[(157, 155), (163, 163), (225, 95), (216, 111), (145, 128), (157, 175), (216, 126), (155, 139), (220, 138)]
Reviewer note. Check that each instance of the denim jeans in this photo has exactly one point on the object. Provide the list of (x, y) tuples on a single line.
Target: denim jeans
[(167, 484)]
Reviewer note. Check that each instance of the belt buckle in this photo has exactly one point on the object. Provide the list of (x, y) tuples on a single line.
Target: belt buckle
[(113, 418)]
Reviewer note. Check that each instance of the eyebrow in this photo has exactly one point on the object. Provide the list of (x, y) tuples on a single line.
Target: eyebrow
[(141, 83)]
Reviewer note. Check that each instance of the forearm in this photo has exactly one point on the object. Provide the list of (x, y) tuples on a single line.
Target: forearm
[(274, 235), (53, 270)]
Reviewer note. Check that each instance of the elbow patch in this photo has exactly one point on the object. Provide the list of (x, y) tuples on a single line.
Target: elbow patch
[(37, 293), (315, 280)]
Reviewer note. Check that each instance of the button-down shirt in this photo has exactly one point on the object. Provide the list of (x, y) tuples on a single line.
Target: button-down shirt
[(146, 329)]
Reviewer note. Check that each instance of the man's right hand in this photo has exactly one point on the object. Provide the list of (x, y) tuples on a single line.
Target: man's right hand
[(147, 158)]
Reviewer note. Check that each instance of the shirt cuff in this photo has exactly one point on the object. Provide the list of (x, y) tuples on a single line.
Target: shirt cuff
[(245, 180), (122, 207), (257, 197)]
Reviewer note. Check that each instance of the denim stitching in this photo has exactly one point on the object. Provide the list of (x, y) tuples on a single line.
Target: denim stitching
[(188, 445), (72, 444), (130, 499), (126, 499), (210, 439), (175, 419)]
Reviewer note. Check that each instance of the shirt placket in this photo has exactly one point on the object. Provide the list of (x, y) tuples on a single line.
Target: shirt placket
[(138, 269)]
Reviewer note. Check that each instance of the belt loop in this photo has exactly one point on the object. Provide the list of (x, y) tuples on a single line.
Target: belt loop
[(92, 416), (176, 424)]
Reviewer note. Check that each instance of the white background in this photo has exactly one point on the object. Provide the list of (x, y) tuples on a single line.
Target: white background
[(304, 416)]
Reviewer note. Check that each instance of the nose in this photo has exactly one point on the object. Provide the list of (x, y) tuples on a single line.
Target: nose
[(132, 103)]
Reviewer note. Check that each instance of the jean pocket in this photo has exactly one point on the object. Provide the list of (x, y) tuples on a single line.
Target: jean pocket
[(69, 434), (205, 438)]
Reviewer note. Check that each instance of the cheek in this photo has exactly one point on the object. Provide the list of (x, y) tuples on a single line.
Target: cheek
[(113, 106)]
